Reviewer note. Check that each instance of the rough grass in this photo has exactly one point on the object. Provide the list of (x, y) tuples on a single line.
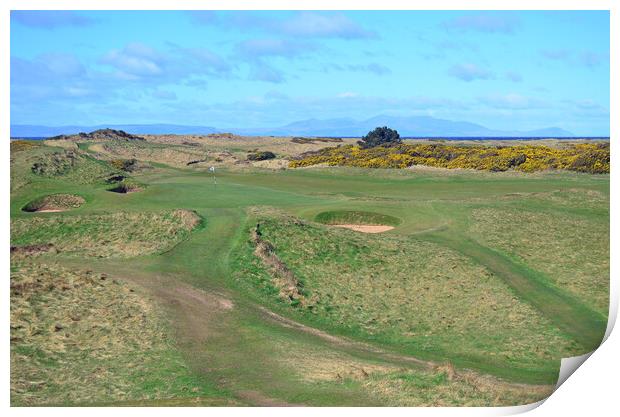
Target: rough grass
[(70, 165), (444, 389), (117, 235), (58, 202), (174, 155), (405, 292), (393, 385), (240, 145), (81, 338), (571, 250)]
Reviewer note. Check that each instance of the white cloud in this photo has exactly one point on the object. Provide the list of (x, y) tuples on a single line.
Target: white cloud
[(470, 72), (512, 101), (347, 94), (303, 24), (134, 60), (483, 22), (326, 24)]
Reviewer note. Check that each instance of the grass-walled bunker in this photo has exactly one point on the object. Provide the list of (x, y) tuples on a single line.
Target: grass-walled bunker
[(359, 221), (125, 188)]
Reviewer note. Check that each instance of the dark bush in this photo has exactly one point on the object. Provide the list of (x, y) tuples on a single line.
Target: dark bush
[(261, 156), (380, 136)]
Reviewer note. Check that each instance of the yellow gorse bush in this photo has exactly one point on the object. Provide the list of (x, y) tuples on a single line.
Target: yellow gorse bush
[(22, 145), (583, 157)]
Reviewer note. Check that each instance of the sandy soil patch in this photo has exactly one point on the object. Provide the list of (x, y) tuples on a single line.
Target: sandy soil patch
[(365, 228)]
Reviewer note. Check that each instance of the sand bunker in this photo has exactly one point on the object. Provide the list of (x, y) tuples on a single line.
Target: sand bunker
[(359, 221), (366, 228)]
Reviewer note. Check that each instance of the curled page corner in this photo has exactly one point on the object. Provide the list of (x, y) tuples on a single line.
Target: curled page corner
[(521, 409), (569, 365)]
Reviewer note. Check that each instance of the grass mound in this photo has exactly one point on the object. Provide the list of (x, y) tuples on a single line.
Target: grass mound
[(100, 134), (70, 165), (571, 250), (54, 202), (118, 235), (356, 217), (82, 338), (417, 296)]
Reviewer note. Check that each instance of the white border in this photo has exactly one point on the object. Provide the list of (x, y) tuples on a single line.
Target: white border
[(590, 390)]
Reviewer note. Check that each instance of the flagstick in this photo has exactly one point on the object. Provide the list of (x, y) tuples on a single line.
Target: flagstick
[(212, 169)]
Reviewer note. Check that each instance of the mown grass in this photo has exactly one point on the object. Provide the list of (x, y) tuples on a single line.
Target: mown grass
[(121, 234), (413, 295), (81, 338)]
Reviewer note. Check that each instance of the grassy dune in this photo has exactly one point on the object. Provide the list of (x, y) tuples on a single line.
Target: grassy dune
[(106, 235), (411, 294)]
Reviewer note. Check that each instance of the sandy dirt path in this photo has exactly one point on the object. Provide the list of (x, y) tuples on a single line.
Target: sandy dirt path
[(200, 319)]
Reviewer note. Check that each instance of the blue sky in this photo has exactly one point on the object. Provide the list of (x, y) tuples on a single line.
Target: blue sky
[(505, 70)]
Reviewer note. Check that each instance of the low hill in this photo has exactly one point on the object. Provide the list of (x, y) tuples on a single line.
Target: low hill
[(100, 134)]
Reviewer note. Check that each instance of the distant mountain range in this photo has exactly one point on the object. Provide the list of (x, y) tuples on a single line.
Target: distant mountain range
[(36, 131), (412, 126)]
